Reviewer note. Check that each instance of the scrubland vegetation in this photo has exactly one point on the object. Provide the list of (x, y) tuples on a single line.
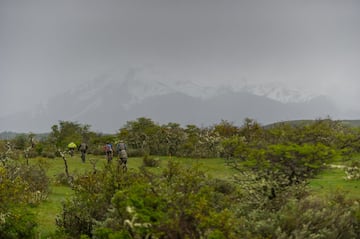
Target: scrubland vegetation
[(224, 181)]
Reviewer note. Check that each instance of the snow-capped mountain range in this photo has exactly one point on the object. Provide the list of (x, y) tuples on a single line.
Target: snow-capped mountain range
[(109, 101), (141, 86)]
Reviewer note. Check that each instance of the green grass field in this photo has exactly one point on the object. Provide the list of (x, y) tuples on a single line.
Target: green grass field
[(328, 181), (332, 180)]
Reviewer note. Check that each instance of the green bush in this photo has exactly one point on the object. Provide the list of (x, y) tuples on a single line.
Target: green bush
[(75, 218), (38, 182), (136, 152), (62, 179), (180, 203), (49, 154), (314, 217), (17, 222), (96, 150), (310, 217), (150, 162), (93, 192)]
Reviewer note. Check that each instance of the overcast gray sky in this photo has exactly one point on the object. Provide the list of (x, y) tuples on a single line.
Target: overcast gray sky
[(46, 46)]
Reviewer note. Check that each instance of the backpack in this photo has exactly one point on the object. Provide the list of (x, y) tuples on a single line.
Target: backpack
[(123, 154), (108, 147), (120, 146), (83, 147)]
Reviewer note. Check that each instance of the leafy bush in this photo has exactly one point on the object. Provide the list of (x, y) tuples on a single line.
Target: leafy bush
[(150, 162), (62, 179), (183, 202), (32, 176), (314, 217), (136, 152), (96, 150), (16, 221), (37, 181), (47, 154), (180, 203), (75, 218), (93, 192)]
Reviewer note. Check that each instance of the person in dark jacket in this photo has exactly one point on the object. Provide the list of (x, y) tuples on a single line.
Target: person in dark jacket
[(83, 147)]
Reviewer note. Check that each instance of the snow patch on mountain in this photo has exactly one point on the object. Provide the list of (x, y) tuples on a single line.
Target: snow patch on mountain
[(275, 91), (284, 95)]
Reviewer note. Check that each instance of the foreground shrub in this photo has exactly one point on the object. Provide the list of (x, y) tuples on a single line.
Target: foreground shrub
[(16, 221), (180, 203), (332, 217), (34, 178), (184, 202), (37, 181), (314, 217), (93, 193)]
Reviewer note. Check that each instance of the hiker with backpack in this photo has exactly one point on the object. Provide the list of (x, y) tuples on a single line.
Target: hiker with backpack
[(83, 147), (122, 154), (108, 151), (71, 147)]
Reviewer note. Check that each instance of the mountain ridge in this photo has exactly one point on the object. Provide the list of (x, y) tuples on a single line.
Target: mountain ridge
[(107, 102)]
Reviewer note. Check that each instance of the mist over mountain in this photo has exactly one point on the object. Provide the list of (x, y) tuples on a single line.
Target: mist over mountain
[(107, 103)]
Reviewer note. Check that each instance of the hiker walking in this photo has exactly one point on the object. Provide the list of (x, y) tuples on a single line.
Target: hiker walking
[(108, 151), (71, 147), (122, 154), (83, 147)]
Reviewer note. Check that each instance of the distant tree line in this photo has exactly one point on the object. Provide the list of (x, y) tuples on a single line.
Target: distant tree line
[(145, 137)]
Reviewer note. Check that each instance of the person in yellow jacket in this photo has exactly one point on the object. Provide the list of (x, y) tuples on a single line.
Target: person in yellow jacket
[(71, 147)]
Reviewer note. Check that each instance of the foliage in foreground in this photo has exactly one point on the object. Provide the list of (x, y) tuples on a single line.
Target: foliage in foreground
[(184, 202), (16, 221)]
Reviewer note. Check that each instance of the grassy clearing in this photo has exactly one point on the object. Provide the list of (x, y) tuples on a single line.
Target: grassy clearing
[(332, 180), (47, 211), (214, 167)]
